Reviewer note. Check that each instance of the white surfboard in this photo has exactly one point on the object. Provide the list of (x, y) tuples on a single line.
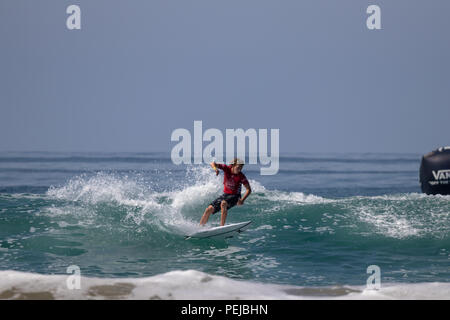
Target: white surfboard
[(226, 231)]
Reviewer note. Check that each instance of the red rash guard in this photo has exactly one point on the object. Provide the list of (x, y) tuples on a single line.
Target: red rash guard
[(232, 182)]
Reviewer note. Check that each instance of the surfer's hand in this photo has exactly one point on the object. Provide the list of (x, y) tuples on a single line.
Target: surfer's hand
[(213, 165), (240, 202)]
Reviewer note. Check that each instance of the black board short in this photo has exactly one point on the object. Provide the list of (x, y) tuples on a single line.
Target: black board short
[(231, 199)]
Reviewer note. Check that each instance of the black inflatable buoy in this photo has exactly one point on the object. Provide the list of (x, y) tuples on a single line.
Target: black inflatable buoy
[(435, 172)]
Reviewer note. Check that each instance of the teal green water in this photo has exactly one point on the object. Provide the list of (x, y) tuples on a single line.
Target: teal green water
[(322, 220)]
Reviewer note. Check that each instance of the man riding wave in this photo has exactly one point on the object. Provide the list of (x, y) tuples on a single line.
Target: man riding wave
[(232, 181)]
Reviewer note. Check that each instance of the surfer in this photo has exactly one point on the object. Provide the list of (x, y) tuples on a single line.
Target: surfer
[(232, 181)]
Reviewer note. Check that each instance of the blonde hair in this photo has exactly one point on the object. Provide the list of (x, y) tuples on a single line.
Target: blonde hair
[(237, 161)]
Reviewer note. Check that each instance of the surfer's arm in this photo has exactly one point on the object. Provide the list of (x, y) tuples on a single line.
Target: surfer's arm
[(246, 194), (220, 166)]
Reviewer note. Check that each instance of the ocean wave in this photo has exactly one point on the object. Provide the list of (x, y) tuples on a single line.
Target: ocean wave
[(177, 210), (402, 216), (196, 285)]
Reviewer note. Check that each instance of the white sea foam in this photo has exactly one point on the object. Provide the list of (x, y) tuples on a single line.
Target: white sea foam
[(296, 197), (142, 204), (388, 223), (177, 209), (286, 196), (402, 215), (191, 284)]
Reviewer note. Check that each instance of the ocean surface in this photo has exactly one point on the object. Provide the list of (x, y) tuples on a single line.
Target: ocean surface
[(316, 227)]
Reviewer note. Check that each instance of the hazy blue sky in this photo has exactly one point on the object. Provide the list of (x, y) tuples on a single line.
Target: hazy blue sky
[(137, 70)]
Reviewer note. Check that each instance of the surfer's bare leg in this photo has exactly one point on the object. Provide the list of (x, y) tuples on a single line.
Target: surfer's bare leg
[(208, 211), (224, 207)]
